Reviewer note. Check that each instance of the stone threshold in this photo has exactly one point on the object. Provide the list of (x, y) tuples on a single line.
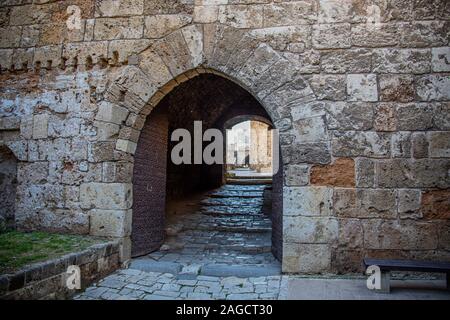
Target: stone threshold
[(47, 279)]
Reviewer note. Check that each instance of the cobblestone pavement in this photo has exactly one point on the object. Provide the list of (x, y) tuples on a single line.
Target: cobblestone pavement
[(131, 284), (218, 246)]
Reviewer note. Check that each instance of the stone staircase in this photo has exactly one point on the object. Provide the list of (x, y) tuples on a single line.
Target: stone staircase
[(226, 233)]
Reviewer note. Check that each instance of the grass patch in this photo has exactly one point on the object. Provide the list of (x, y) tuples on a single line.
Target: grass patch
[(18, 249)]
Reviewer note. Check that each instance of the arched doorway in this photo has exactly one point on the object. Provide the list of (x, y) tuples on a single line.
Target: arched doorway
[(157, 181)]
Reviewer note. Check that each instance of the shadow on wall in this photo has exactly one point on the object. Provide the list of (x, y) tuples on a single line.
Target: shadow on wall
[(8, 185)]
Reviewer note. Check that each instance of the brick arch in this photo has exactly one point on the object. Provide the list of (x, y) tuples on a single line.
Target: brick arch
[(252, 64)]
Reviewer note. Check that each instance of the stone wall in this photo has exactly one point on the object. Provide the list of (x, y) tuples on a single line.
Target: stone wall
[(360, 90), (47, 280), (8, 184)]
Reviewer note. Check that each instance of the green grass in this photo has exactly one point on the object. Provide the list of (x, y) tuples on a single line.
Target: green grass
[(18, 249)]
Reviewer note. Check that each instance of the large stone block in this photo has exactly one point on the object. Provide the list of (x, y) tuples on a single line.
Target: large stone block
[(440, 59), (310, 130), (433, 87), (290, 13), (441, 116), (119, 8), (118, 28), (414, 116), (401, 61), (341, 173), (40, 126), (351, 233), (110, 223), (382, 35), (112, 113), (331, 36), (439, 144), (436, 204), (419, 34), (296, 175), (401, 144), (397, 88), (362, 87), (385, 117), (400, 235), (409, 204), (306, 258), (346, 61), (299, 153), (298, 229), (108, 196), (329, 87), (365, 173), (364, 144), (365, 203), (307, 201), (241, 16), (161, 25), (420, 173), (420, 145), (349, 116)]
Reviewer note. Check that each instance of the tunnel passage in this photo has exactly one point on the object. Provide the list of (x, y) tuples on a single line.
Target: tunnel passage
[(157, 181)]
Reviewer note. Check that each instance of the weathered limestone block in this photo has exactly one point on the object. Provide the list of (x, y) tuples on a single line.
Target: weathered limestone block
[(441, 116), (351, 233), (331, 36), (101, 151), (385, 117), (193, 35), (424, 34), (290, 13), (341, 173), (42, 56), (126, 146), (439, 144), (362, 87), (61, 127), (118, 28), (420, 145), (121, 171), (161, 25), (310, 130), (349, 116), (345, 261), (119, 51), (401, 144), (110, 223), (433, 87), (241, 16), (394, 10), (153, 66), (108, 196), (19, 148), (365, 173), (299, 153), (335, 11), (409, 201), (444, 239), (175, 53), (260, 60), (365, 203), (23, 59), (307, 201), (346, 61), (30, 14), (306, 62), (436, 204), (57, 33), (114, 8), (295, 39), (398, 88), (296, 175), (329, 87), (206, 14), (382, 35), (440, 59), (364, 144), (40, 126), (30, 36), (152, 7), (414, 116), (308, 110), (110, 112), (306, 258), (10, 37), (32, 173), (401, 61), (298, 91), (6, 58), (401, 235), (420, 173), (298, 229)]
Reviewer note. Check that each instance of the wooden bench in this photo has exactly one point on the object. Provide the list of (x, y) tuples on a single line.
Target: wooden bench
[(387, 265)]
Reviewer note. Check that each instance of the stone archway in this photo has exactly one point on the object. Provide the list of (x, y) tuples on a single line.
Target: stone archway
[(273, 79)]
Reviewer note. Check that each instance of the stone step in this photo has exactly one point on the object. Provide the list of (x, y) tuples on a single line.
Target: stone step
[(234, 228), (249, 181), (233, 202), (237, 194), (235, 187)]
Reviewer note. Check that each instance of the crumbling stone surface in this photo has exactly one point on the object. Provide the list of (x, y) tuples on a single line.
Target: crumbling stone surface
[(366, 83)]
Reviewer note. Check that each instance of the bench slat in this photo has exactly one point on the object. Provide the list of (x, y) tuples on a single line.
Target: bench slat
[(409, 265)]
